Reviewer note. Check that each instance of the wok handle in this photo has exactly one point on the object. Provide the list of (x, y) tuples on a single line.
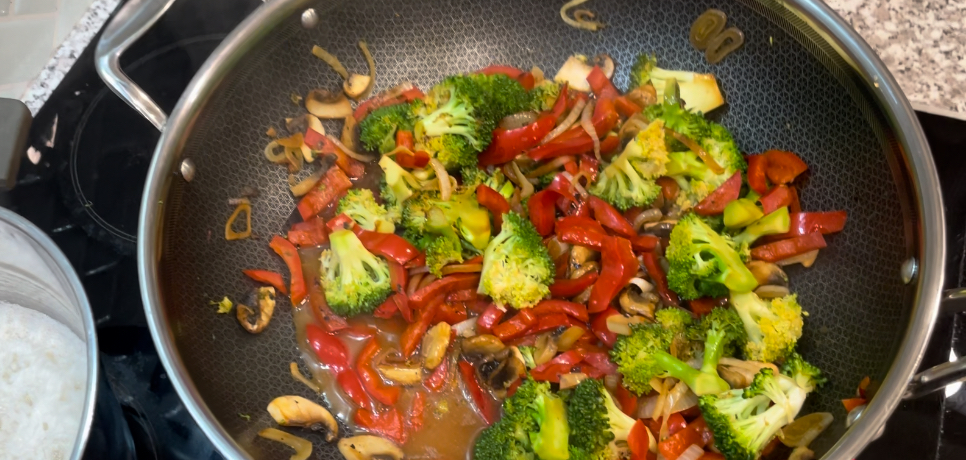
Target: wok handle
[(130, 22), (938, 377)]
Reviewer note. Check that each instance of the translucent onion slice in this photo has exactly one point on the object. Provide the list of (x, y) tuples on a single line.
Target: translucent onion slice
[(696, 148), (297, 375), (331, 60), (580, 22), (461, 268), (445, 186), (567, 123), (271, 155), (526, 188), (303, 448), (588, 126), (372, 68), (550, 166), (305, 185), (349, 152)]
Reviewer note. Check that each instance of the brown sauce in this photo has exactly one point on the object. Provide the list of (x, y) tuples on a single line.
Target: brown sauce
[(450, 422)]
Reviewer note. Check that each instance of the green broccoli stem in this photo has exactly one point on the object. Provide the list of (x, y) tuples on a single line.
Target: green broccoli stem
[(551, 442), (713, 349), (701, 383)]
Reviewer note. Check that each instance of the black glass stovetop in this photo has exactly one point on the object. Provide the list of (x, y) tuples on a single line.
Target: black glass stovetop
[(86, 188)]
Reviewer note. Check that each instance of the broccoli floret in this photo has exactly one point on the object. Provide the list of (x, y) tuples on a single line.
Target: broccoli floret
[(544, 95), (596, 423), (721, 320), (674, 319), (704, 263), (526, 351), (378, 130), (444, 246), (361, 206), (742, 421), (775, 223), (699, 91), (773, 327), (498, 97), (452, 150), (532, 414), (355, 281), (497, 181), (629, 180), (803, 373), (464, 214), (397, 185), (517, 269)]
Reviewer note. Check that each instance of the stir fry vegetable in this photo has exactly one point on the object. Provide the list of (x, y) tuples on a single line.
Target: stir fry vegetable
[(606, 264)]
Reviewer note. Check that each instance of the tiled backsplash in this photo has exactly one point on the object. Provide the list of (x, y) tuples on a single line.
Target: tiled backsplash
[(30, 32)]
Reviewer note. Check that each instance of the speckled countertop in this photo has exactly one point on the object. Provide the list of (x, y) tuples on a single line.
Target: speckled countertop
[(923, 42)]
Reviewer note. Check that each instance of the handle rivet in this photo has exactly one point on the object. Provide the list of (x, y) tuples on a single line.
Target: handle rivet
[(187, 169), (310, 18), (909, 270)]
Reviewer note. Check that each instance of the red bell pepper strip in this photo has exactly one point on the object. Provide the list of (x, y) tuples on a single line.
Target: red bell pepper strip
[(332, 353), (803, 223), (659, 278), (387, 423), (589, 166), (852, 403), (618, 266), (405, 139), (553, 369), (527, 81), (571, 222), (610, 217), (290, 255), (776, 198), (638, 441), (312, 232), (410, 160), (571, 287), (439, 288), (329, 189), (318, 142), (438, 378), (644, 243), (711, 456), (795, 205), (515, 326), (675, 423), (575, 141), (626, 400), (626, 107), (383, 100), (549, 322), (715, 202), (581, 235), (757, 180), (450, 313), (600, 360), (599, 327), (320, 309), (416, 408), (600, 84), (413, 335), (387, 309), (493, 202), (399, 277), (773, 252), (563, 186), (498, 69), (783, 167), (669, 188), (571, 309), (560, 105), (704, 305), (490, 317), (341, 222), (697, 432), (542, 211), (507, 144), (371, 380), (463, 295), (389, 245), (484, 404), (267, 277)]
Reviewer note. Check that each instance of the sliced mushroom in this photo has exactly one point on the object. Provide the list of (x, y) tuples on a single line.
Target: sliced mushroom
[(643, 96), (571, 379), (574, 72), (356, 85), (266, 306), (580, 255), (434, 344), (806, 259), (620, 324), (500, 370), (583, 297), (606, 64), (545, 348), (303, 123), (298, 411), (662, 228), (349, 134), (401, 374), (771, 291), (481, 345), (767, 273), (328, 104), (739, 373), (368, 447), (804, 430), (635, 302)]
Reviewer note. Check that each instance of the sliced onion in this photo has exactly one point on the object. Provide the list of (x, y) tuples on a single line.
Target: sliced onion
[(294, 158), (350, 153), (550, 166), (426, 281), (580, 24), (465, 328), (806, 259), (278, 158), (326, 104), (414, 280), (567, 123), (418, 270), (696, 148), (571, 379), (445, 187), (575, 183), (305, 185), (330, 59), (588, 126), (518, 120), (515, 176), (303, 448), (349, 133), (461, 268), (301, 378), (693, 452), (555, 247), (635, 124), (647, 216), (642, 284), (658, 386), (682, 398), (372, 68)]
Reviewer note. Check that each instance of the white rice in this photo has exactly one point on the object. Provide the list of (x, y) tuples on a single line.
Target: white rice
[(43, 373)]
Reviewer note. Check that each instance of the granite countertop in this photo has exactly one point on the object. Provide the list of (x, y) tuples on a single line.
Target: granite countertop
[(923, 42)]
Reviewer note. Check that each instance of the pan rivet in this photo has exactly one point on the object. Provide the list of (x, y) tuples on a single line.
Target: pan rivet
[(310, 18), (909, 270), (187, 169)]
